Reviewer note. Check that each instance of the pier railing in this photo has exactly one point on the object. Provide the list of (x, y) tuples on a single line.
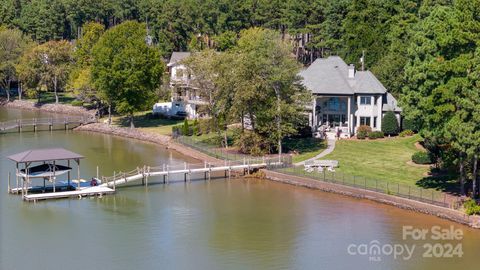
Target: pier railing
[(420, 194), (255, 163), (19, 124), (215, 151)]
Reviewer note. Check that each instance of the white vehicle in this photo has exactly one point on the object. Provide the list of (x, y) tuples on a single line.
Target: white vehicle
[(170, 109)]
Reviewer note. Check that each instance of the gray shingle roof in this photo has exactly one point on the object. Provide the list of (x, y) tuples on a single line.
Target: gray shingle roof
[(178, 56), (330, 76), (50, 154), (391, 104)]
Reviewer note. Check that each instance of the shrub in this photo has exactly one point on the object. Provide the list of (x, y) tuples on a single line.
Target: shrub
[(362, 131), (196, 128), (406, 133), (177, 130), (251, 143), (186, 131), (422, 158), (471, 207), (77, 103), (375, 135), (304, 132), (408, 124), (204, 126), (390, 123)]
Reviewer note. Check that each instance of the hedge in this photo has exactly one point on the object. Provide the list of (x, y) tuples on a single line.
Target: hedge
[(422, 158), (375, 135), (406, 132)]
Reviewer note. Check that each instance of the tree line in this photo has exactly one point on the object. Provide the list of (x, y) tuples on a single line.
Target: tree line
[(426, 52)]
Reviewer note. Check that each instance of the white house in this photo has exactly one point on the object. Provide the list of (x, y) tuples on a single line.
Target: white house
[(344, 98), (185, 97)]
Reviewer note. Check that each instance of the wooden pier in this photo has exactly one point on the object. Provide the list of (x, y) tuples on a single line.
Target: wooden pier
[(165, 171), (108, 184), (35, 123)]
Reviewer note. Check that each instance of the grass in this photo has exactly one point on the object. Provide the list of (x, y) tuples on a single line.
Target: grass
[(380, 159), (145, 121), (49, 97), (304, 147)]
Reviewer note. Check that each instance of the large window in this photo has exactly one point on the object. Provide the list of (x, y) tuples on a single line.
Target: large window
[(365, 100), (335, 104), (365, 121)]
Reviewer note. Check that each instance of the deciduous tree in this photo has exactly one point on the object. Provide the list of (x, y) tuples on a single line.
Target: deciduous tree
[(125, 70)]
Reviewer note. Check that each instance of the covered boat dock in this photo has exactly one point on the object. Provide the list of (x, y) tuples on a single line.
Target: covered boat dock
[(45, 164)]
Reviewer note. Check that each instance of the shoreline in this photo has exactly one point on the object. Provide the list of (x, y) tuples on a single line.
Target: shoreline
[(136, 134), (399, 202), (169, 143), (48, 108)]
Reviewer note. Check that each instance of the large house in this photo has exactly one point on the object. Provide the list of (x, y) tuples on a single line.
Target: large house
[(344, 99), (185, 97)]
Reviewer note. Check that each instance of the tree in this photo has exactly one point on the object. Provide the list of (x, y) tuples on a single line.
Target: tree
[(12, 44), (390, 123), (46, 65), (226, 40), (389, 69), (365, 28), (80, 77), (30, 71), (440, 83), (7, 12), (211, 72), (57, 58), (125, 70), (268, 90), (44, 20)]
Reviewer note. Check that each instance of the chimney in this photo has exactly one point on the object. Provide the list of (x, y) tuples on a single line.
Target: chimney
[(351, 71)]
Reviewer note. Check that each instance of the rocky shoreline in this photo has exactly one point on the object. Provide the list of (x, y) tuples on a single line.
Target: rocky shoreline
[(425, 208), (50, 108)]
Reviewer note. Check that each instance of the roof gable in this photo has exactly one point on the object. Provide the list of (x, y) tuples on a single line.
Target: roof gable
[(330, 76), (177, 56)]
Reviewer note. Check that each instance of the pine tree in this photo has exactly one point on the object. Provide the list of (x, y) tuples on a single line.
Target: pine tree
[(390, 123)]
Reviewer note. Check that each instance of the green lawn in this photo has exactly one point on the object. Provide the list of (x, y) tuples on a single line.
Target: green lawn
[(304, 148), (145, 121), (49, 97), (379, 159)]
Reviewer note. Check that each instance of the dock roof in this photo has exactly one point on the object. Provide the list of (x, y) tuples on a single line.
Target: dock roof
[(50, 154)]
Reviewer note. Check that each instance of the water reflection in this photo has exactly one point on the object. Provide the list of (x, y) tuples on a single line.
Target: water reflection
[(217, 224)]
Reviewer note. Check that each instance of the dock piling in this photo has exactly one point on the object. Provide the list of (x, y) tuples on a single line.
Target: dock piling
[(9, 189), (146, 177), (168, 176)]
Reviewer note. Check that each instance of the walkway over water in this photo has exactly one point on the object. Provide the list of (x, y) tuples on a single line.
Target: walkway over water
[(143, 173), (109, 184), (65, 122)]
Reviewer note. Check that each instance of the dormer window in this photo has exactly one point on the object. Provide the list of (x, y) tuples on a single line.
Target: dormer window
[(365, 100)]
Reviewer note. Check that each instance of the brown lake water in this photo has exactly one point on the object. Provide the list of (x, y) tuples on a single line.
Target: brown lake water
[(217, 224)]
